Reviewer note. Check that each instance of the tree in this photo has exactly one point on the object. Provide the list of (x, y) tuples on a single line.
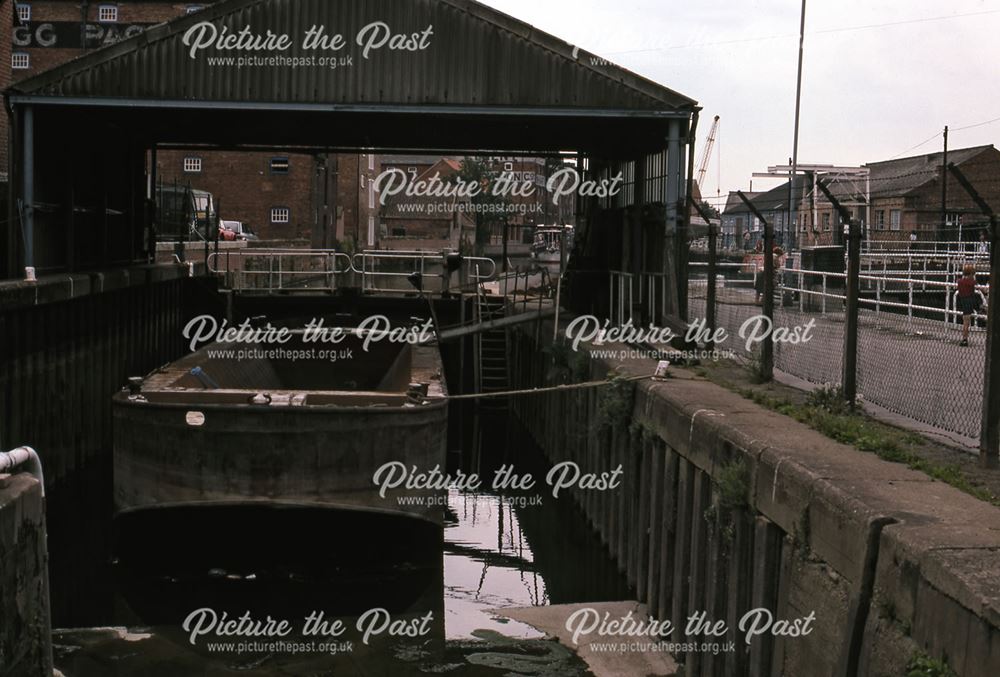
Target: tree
[(488, 210)]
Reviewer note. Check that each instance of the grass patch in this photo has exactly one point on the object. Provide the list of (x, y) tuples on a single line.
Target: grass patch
[(733, 481), (825, 411)]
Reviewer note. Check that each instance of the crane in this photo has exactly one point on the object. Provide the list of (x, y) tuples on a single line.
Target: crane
[(707, 152)]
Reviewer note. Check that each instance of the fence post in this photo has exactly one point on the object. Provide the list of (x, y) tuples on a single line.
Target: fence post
[(989, 433), (849, 380), (710, 292), (611, 294), (989, 437), (767, 346)]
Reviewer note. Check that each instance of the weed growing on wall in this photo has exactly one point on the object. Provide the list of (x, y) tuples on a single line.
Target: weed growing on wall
[(922, 665), (614, 403)]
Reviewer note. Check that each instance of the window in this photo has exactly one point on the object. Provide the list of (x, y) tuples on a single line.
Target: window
[(371, 230), (20, 60), (371, 195), (280, 215), (952, 218), (24, 12), (826, 220), (895, 219), (107, 13), (192, 165), (279, 165), (880, 220)]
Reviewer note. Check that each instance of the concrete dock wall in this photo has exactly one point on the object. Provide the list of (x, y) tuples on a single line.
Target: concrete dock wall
[(25, 633), (727, 507), (67, 344)]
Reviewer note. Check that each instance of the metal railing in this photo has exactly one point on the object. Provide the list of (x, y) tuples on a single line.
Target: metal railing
[(934, 247), (390, 270), (325, 269), (639, 298), (883, 299), (280, 269)]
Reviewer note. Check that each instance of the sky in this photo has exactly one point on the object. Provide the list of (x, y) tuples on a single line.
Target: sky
[(870, 91)]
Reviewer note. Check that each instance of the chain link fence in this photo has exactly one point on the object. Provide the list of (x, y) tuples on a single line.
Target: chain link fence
[(909, 358)]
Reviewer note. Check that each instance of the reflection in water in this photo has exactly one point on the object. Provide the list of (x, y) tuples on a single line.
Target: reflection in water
[(496, 551), (488, 565)]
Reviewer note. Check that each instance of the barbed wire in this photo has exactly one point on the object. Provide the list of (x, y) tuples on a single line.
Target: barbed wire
[(931, 172)]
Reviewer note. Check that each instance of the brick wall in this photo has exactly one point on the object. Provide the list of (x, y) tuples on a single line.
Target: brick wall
[(356, 209), (247, 189), (6, 19), (49, 39)]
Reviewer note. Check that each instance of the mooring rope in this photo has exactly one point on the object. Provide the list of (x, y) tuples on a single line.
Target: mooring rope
[(548, 389)]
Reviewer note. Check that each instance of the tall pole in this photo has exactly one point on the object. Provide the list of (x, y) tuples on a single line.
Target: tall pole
[(795, 142), (944, 189)]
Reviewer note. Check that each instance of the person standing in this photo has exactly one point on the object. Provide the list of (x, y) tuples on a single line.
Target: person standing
[(776, 255), (968, 301), (984, 245)]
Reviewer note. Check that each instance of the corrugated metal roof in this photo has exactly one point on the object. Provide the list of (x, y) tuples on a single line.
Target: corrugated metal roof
[(476, 56), (892, 178)]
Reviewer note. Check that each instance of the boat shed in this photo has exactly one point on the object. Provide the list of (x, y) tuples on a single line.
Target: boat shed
[(396, 76)]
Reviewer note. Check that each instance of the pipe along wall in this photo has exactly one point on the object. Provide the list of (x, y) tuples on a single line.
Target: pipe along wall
[(725, 507)]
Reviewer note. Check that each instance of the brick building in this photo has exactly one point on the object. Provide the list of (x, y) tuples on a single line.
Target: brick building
[(278, 194), (357, 218), (319, 199), (50, 32), (905, 199), (423, 221), (906, 195), (6, 19)]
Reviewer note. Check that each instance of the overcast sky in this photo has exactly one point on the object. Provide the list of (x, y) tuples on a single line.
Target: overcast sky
[(870, 91)]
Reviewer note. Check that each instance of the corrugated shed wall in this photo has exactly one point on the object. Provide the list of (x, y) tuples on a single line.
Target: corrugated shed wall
[(475, 56)]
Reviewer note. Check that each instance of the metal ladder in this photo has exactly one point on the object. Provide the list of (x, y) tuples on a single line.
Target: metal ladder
[(491, 352)]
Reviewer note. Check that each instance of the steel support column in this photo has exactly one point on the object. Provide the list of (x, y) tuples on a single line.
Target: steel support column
[(28, 192), (675, 237)]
